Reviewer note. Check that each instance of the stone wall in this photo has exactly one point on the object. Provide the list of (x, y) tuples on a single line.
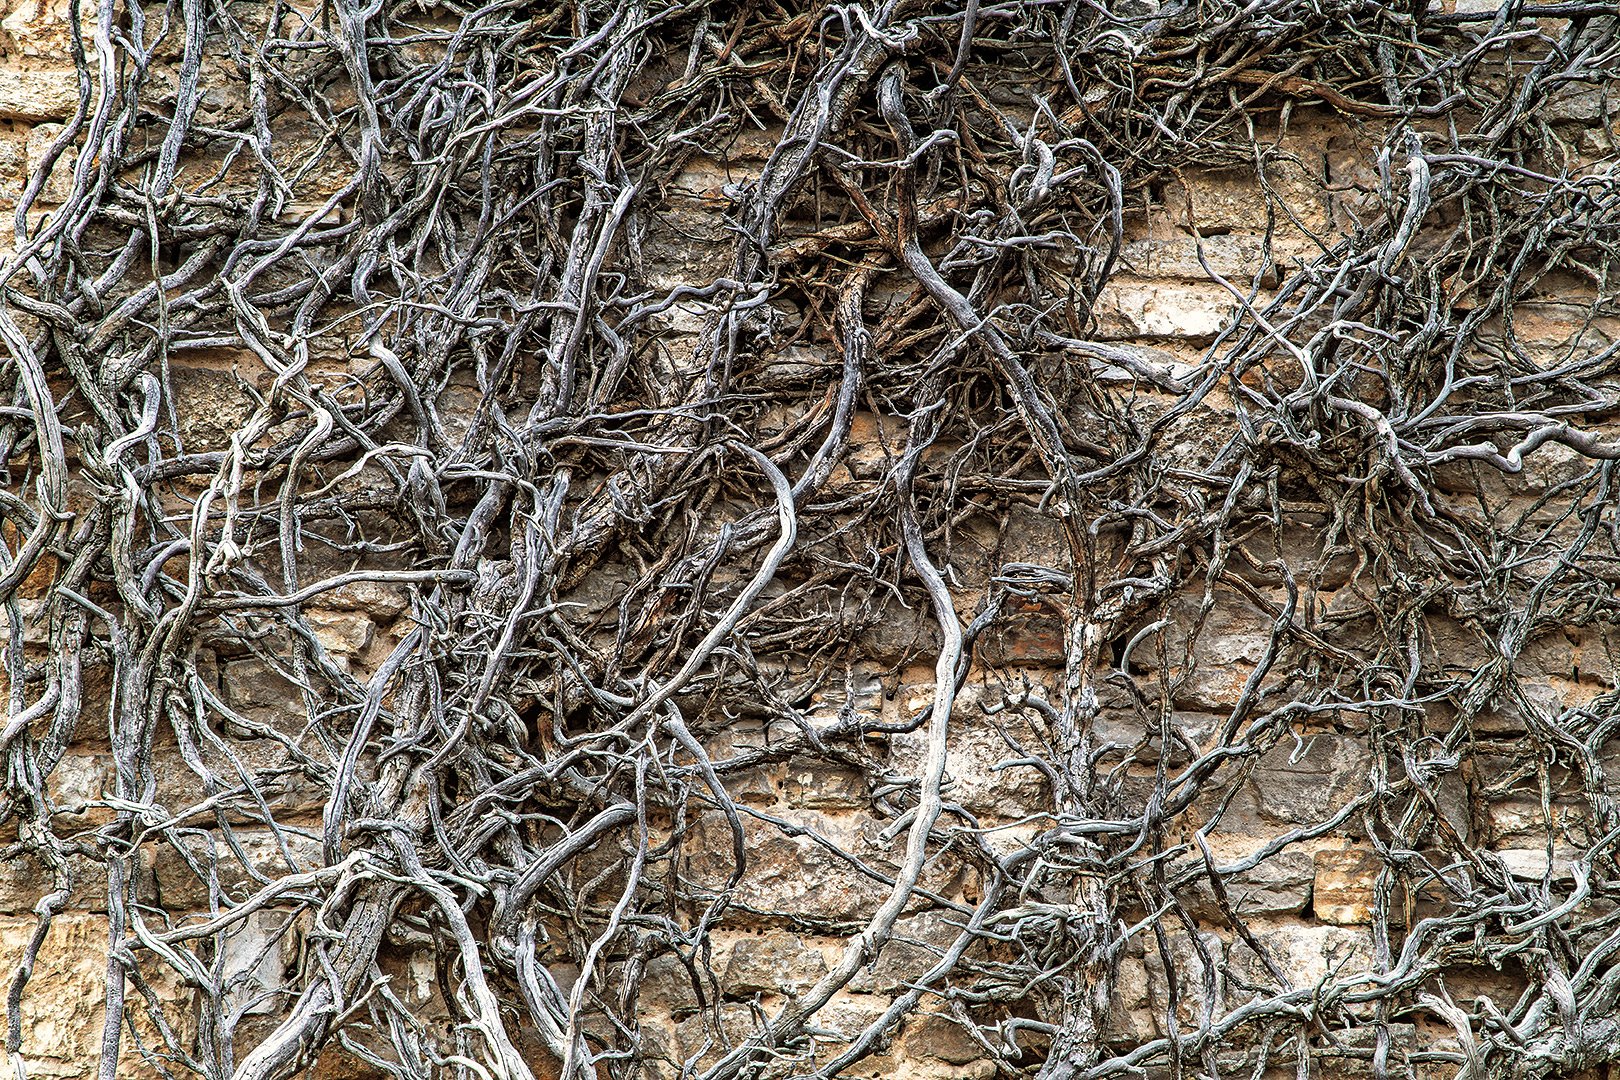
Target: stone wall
[(1317, 760)]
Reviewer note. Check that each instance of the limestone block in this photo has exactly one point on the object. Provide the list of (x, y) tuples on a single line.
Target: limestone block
[(667, 985), (800, 366), (917, 945), (707, 1037), (26, 879), (1139, 735), (983, 769), (848, 1014), (660, 1050), (380, 600), (183, 879), (1199, 970), (286, 788), (341, 633), (1583, 104), (1280, 884), (210, 404), (858, 692), (78, 780), (257, 957), (62, 1004), (1305, 953), (38, 95), (752, 786), (1518, 818), (1130, 1008), (1231, 641), (255, 684), (1537, 864), (898, 635), (875, 444), (1307, 781), (1231, 200), (41, 30), (823, 785), (1028, 632), (789, 873), (1345, 882), (940, 1037), (59, 185), (773, 964), (1154, 309), (1166, 251), (1302, 552)]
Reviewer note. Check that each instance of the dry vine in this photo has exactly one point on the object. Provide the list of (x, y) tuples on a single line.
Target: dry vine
[(529, 783)]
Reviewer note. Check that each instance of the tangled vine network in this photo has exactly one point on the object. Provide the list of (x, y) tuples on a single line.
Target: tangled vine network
[(615, 455)]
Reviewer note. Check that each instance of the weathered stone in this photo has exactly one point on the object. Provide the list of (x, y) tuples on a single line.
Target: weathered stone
[(1226, 643), (773, 965), (917, 945), (1140, 736), (379, 600), (1280, 884), (341, 633), (1166, 251), (1308, 781), (899, 635), (982, 772), (78, 781), (799, 365), (937, 1036), (43, 30), (1344, 887), (1584, 105), (822, 785), (38, 95), (58, 185), (210, 403), (184, 879), (1140, 309), (1189, 962), (254, 684), (667, 985), (788, 874), (1028, 632), (858, 694), (752, 786), (27, 878), (1302, 551), (848, 1014), (1130, 1007), (290, 792), (61, 1021), (704, 1037), (1305, 953), (1233, 200), (256, 957), (1536, 864), (1519, 818)]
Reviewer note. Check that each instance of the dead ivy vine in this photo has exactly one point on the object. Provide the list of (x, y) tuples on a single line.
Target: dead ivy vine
[(486, 370)]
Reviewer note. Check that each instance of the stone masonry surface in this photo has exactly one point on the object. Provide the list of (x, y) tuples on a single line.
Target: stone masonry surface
[(747, 540)]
